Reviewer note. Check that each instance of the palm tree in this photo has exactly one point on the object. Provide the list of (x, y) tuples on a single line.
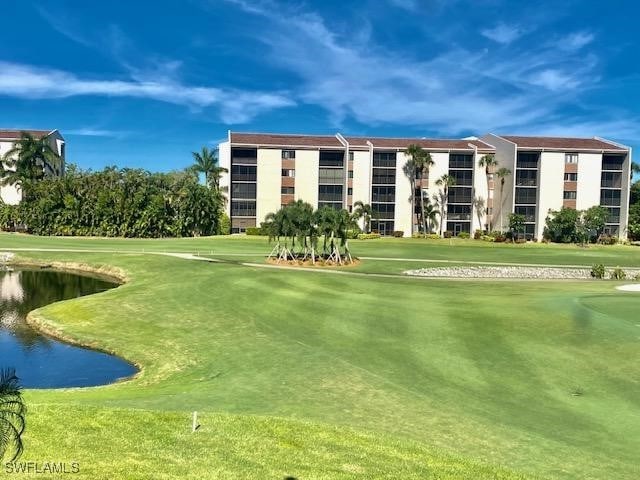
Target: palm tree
[(502, 174), (12, 415), (431, 214), (363, 210), (635, 168), (487, 161), (417, 167), (206, 161), (445, 181), (28, 160)]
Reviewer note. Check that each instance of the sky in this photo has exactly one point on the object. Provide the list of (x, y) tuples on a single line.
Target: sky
[(142, 84)]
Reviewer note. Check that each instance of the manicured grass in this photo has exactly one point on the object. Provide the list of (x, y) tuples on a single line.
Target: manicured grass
[(334, 376)]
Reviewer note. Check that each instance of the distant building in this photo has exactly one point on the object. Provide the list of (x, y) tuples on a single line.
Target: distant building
[(267, 171), (11, 194)]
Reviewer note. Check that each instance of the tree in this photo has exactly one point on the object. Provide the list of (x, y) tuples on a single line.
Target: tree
[(363, 210), (431, 215), (488, 162), (206, 161), (516, 224), (12, 415), (502, 174), (635, 168), (594, 220), (29, 159), (561, 225), (634, 222), (445, 181), (417, 167)]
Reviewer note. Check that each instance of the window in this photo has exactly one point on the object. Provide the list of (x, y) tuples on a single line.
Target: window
[(243, 190), (383, 194), (243, 173), (288, 154), (569, 195), (460, 161), (526, 195), (528, 212), (384, 176), (351, 156), (243, 208), (331, 175), (330, 193), (459, 195), (612, 162), (334, 205), (287, 172), (331, 158), (526, 178), (463, 177), (570, 177), (287, 190), (350, 173), (570, 158), (459, 212), (382, 210), (614, 215), (244, 155), (349, 191), (610, 197), (527, 160), (384, 159), (611, 180)]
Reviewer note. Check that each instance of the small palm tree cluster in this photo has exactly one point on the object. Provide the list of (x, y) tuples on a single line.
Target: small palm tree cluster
[(29, 160), (206, 162), (12, 416), (297, 229), (417, 167)]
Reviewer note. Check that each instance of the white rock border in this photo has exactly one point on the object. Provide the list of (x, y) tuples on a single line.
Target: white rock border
[(514, 272), (632, 287)]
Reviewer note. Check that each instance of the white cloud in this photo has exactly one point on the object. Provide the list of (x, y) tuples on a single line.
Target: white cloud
[(453, 91), (96, 132), (236, 106), (576, 41), (502, 33)]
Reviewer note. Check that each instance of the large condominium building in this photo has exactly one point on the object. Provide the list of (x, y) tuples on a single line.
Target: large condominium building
[(267, 171), (11, 194)]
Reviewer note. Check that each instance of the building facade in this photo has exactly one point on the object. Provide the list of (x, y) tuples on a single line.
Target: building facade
[(267, 171), (10, 194)]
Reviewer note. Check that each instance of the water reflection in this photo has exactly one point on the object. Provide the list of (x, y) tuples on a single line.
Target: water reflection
[(40, 361)]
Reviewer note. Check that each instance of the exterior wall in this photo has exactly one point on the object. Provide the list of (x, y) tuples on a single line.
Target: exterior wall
[(224, 157), (362, 163), (307, 169), (402, 212), (550, 187), (503, 201), (589, 177), (269, 173), (626, 187)]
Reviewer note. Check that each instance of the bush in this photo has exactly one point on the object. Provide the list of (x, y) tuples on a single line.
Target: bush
[(637, 278), (464, 235), (499, 238), (487, 238), (618, 274), (432, 236), (520, 240), (448, 234), (477, 235), (353, 234), (254, 231), (224, 224), (597, 271), (398, 233), (608, 240), (368, 236)]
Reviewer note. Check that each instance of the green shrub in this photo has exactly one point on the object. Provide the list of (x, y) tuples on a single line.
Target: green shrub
[(597, 271), (448, 234), (398, 233), (487, 238), (253, 231), (618, 274), (499, 238), (368, 236), (464, 235), (608, 240), (224, 224), (477, 235), (353, 234), (432, 236), (520, 240)]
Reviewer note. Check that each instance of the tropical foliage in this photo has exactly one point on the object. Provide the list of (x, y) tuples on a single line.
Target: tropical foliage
[(569, 225), (364, 211), (117, 202), (12, 416), (206, 162), (417, 167), (444, 182), (297, 229), (488, 162)]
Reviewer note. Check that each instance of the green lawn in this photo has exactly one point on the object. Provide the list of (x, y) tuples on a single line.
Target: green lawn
[(338, 376)]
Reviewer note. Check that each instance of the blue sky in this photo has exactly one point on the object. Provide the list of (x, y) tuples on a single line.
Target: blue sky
[(142, 83)]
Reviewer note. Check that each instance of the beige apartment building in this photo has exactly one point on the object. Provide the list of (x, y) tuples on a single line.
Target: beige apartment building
[(267, 171), (10, 194)]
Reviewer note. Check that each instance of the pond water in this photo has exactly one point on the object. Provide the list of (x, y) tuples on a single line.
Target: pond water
[(39, 360)]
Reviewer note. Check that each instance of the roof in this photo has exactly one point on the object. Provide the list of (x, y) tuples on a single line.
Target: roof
[(564, 143), (274, 139), (15, 134), (330, 141), (426, 143)]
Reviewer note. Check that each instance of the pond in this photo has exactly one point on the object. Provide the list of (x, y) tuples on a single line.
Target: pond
[(41, 361)]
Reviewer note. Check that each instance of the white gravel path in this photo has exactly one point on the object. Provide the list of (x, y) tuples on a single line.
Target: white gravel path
[(549, 273), (634, 287)]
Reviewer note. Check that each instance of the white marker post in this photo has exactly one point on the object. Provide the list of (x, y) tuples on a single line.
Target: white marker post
[(194, 425)]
